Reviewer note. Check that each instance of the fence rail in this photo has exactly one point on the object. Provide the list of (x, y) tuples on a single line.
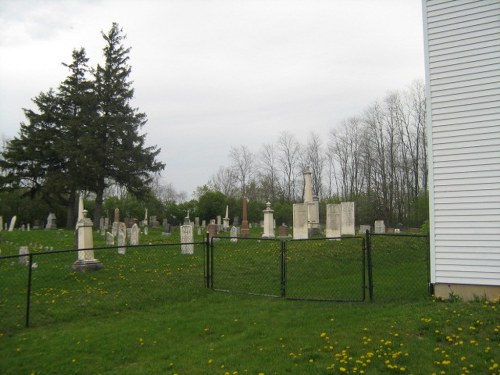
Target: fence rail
[(46, 289)]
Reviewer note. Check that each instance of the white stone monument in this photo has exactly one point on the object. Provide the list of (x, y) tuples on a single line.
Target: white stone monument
[(300, 228), (225, 222), (1, 223), (312, 203), (347, 223), (234, 234), (333, 220), (51, 221), (84, 226), (187, 246), (12, 224), (379, 226), (121, 238), (364, 228), (110, 239), (134, 235), (24, 256), (268, 222)]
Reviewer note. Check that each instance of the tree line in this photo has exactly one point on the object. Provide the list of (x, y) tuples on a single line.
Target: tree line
[(376, 159), (83, 137)]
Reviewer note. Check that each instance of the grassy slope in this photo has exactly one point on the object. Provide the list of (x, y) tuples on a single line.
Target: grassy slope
[(197, 331)]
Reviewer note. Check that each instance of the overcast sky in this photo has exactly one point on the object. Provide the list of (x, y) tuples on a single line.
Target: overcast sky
[(211, 74)]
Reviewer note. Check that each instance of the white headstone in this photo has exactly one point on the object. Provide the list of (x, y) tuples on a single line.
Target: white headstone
[(51, 221), (379, 226), (122, 238), (1, 223), (114, 228), (24, 258), (110, 239), (187, 246), (333, 220), (146, 230), (234, 234), (364, 228), (12, 224), (268, 222), (397, 230), (134, 235), (300, 230), (347, 224)]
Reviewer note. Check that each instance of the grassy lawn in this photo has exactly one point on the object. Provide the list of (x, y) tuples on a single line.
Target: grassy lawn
[(148, 313)]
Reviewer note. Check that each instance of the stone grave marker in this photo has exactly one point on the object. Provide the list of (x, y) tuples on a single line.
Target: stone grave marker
[(234, 234), (283, 230), (333, 220), (300, 228), (134, 235), (51, 221), (347, 223), (379, 226), (110, 239), (268, 222), (364, 228), (187, 247), (24, 258), (1, 223), (122, 238), (12, 224)]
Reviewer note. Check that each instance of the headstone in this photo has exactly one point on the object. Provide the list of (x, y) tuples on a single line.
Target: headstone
[(101, 226), (333, 220), (198, 231), (236, 221), (117, 215), (268, 222), (300, 229), (23, 227), (51, 221), (212, 229), (145, 221), (219, 222), (1, 223), (379, 226), (28, 227), (245, 231), (197, 221), (24, 258), (364, 228), (106, 223), (122, 238), (110, 239), (187, 246), (84, 227), (313, 216), (283, 230), (397, 230), (146, 230), (12, 224), (153, 222), (203, 223), (347, 223), (234, 234), (134, 235), (114, 228), (308, 193)]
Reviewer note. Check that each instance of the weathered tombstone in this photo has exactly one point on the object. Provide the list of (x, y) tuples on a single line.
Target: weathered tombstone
[(364, 228), (212, 229), (167, 228), (198, 231), (313, 216), (110, 239), (1, 223), (187, 246), (245, 231), (300, 229), (146, 230), (219, 222), (347, 223), (116, 221), (234, 234), (101, 226), (23, 227), (12, 224), (106, 223), (28, 227), (153, 222), (86, 261), (397, 230), (283, 230), (122, 238), (268, 222), (389, 230), (379, 226), (225, 223), (51, 221), (24, 256), (197, 221), (134, 235), (236, 221), (333, 220), (203, 223)]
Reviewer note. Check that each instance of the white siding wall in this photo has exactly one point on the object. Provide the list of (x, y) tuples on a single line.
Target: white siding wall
[(463, 88)]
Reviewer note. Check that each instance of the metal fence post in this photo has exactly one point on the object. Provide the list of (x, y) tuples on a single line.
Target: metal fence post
[(28, 292), (283, 268), (369, 264)]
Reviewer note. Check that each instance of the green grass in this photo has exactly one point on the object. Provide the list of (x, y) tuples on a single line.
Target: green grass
[(148, 313)]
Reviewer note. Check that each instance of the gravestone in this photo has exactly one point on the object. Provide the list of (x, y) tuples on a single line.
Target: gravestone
[(84, 227), (283, 230), (146, 230), (51, 221), (212, 229), (300, 228), (167, 229), (24, 258), (397, 230), (219, 222), (187, 247), (197, 221), (364, 228), (101, 226), (236, 221), (28, 227), (153, 222), (225, 223), (234, 234), (1, 223), (122, 238), (106, 223), (203, 223), (379, 226), (347, 223), (110, 239), (313, 216), (333, 220), (12, 224), (268, 222), (134, 235)]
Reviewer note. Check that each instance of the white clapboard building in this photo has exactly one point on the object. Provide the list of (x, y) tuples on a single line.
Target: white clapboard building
[(462, 47)]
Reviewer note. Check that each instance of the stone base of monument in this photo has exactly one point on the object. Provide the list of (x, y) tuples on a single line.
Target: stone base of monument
[(314, 231), (86, 265)]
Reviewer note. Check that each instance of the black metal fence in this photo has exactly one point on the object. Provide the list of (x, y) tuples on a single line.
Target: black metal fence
[(385, 267), (46, 289)]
